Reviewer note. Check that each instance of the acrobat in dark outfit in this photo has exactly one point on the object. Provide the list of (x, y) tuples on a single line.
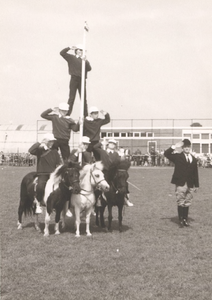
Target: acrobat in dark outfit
[(75, 70)]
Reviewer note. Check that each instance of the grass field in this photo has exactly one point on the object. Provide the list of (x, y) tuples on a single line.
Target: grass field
[(151, 259)]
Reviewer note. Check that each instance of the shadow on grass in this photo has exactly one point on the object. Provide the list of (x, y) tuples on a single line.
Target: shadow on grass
[(176, 219)]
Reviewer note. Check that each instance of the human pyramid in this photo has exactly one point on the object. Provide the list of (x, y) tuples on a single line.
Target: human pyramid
[(90, 147)]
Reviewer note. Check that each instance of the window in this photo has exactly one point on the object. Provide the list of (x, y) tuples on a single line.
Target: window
[(136, 134), (196, 147), (187, 135), (109, 134), (123, 134), (149, 134), (143, 134), (116, 134), (205, 136), (103, 134), (205, 148), (19, 127), (195, 136), (129, 134)]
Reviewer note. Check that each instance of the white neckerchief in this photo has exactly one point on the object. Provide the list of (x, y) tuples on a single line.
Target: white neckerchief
[(188, 156), (62, 116), (89, 118), (110, 151)]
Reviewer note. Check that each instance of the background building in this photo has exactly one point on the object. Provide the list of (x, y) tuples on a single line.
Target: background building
[(157, 134)]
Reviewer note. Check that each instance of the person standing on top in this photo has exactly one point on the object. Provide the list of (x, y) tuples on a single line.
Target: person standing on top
[(92, 126), (75, 70), (47, 161), (62, 126)]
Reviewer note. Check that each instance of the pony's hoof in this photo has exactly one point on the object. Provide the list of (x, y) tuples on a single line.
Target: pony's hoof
[(89, 234), (19, 226), (37, 228), (77, 235), (46, 234), (57, 232)]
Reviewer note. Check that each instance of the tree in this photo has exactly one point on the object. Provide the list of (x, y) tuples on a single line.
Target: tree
[(196, 125)]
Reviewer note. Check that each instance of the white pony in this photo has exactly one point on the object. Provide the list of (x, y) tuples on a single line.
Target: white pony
[(91, 177)]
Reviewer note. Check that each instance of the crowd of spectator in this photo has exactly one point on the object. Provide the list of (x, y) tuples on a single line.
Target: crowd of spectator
[(156, 158), (17, 159), (149, 159)]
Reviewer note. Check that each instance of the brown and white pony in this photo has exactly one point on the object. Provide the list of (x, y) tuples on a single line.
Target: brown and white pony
[(58, 192), (64, 176)]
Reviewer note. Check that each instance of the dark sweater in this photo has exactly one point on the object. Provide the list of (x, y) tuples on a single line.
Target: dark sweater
[(47, 160), (108, 159), (75, 63), (62, 126), (92, 128), (86, 157)]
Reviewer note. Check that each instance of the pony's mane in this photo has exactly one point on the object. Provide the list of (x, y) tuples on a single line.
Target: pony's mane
[(56, 175), (124, 164), (84, 171), (73, 164)]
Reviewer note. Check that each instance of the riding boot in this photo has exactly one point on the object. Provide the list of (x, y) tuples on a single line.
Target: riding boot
[(127, 200), (185, 216), (180, 215)]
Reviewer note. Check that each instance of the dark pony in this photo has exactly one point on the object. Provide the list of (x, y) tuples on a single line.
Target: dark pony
[(117, 179), (64, 176)]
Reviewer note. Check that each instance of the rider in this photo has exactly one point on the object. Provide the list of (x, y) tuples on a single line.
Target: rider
[(109, 157), (82, 148), (47, 161)]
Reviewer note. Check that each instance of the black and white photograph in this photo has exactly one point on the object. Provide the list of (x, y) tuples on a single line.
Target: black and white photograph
[(106, 150)]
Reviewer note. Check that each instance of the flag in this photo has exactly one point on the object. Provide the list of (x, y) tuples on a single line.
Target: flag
[(86, 27)]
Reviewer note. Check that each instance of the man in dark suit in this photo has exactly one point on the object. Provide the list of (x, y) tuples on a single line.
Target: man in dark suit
[(75, 70), (185, 177)]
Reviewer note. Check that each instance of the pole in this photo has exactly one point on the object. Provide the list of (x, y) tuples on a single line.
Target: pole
[(82, 90)]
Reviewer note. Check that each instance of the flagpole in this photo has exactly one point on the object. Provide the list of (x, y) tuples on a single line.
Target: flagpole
[(82, 90)]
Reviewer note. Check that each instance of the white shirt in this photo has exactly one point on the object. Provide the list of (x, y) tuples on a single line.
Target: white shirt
[(188, 156)]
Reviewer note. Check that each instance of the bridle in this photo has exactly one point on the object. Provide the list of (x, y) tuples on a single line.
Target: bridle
[(96, 183), (116, 188), (70, 187)]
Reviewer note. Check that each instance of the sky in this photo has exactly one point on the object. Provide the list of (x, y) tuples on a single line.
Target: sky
[(150, 59)]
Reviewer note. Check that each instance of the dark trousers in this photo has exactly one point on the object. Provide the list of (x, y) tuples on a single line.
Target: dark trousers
[(40, 188), (74, 86), (64, 148), (91, 149)]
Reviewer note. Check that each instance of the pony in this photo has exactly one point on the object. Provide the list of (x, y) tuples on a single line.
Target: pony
[(91, 178), (63, 174), (58, 192), (117, 177)]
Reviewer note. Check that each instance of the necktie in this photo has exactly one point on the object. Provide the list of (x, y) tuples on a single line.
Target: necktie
[(188, 161)]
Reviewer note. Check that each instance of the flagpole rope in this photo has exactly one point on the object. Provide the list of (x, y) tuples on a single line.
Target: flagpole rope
[(134, 185)]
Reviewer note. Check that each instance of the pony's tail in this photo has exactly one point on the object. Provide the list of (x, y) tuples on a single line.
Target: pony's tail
[(26, 202)]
